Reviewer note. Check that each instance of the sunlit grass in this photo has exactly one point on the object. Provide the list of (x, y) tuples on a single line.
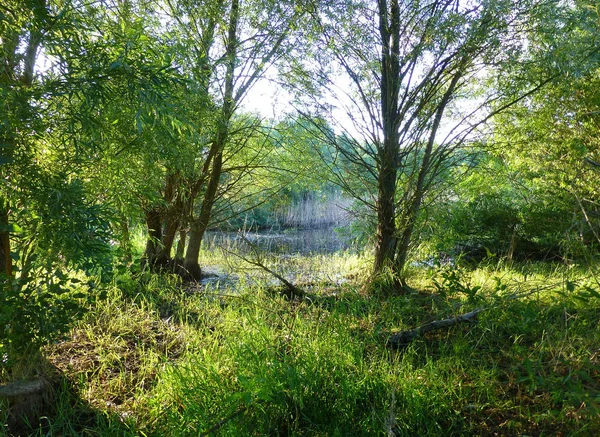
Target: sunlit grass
[(159, 359)]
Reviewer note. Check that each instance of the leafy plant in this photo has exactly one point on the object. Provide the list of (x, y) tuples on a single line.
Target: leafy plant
[(453, 281), (62, 253)]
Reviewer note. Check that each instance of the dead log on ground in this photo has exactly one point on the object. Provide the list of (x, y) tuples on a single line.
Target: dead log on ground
[(404, 338)]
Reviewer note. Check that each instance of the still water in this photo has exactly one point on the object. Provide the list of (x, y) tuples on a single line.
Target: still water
[(288, 242)]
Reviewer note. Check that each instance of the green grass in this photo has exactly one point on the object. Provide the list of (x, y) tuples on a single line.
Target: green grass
[(156, 360)]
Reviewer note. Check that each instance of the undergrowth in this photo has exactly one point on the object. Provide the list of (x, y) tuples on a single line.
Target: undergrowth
[(159, 359)]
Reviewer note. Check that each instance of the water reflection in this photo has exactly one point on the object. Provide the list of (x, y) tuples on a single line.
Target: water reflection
[(289, 242)]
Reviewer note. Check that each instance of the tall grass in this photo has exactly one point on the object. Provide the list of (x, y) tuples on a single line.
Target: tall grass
[(311, 211), (157, 360)]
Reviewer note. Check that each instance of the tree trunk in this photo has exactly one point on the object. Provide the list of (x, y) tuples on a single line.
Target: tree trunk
[(163, 255), (191, 268), (513, 244), (386, 214), (389, 22), (5, 259), (421, 187), (180, 250), (154, 224), (125, 238)]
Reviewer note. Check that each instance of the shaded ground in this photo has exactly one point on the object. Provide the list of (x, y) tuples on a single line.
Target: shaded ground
[(158, 359), (61, 411)]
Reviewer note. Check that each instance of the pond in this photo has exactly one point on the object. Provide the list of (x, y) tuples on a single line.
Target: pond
[(288, 242)]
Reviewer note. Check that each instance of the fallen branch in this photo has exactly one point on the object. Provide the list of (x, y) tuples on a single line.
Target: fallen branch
[(404, 338), (217, 426), (290, 290)]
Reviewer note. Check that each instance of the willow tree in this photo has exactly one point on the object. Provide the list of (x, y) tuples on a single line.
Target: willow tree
[(230, 44), (46, 227), (57, 123), (401, 70)]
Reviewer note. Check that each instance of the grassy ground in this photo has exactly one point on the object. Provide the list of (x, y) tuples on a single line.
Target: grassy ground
[(157, 359)]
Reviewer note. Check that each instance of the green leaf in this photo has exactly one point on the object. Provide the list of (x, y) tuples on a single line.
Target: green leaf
[(14, 228)]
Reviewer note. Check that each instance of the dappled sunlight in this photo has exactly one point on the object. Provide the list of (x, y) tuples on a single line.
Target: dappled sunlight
[(299, 218), (178, 362)]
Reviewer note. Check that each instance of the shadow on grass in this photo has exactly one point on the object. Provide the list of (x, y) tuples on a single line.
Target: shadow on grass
[(528, 366), (59, 410)]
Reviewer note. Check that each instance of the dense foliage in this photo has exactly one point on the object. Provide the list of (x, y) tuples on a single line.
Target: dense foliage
[(427, 133)]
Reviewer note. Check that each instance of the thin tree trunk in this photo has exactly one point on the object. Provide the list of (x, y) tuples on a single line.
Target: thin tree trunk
[(170, 215), (180, 250), (191, 268), (154, 224), (424, 171), (163, 255), (386, 214), (513, 244), (5, 259), (125, 238)]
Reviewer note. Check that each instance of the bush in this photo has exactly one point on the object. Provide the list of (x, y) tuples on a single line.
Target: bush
[(62, 254)]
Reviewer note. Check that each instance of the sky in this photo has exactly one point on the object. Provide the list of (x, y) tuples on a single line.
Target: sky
[(272, 101), (268, 99)]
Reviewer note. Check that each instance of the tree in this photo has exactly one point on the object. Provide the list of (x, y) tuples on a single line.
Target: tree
[(232, 46), (551, 137), (408, 66), (56, 125), (40, 209)]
